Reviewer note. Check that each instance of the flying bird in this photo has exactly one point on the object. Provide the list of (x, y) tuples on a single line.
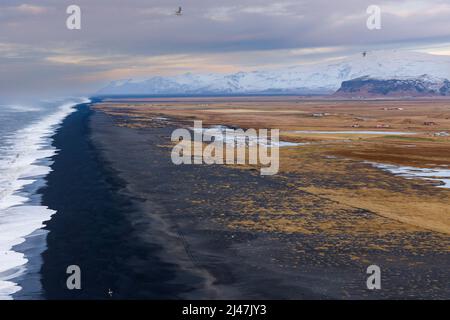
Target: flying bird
[(179, 12)]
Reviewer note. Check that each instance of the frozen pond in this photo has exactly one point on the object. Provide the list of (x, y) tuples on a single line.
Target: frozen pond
[(219, 134), (396, 133), (435, 174)]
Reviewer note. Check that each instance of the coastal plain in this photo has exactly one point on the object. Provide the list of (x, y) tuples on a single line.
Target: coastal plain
[(311, 230)]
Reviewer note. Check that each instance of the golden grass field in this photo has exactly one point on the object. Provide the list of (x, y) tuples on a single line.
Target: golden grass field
[(330, 171)]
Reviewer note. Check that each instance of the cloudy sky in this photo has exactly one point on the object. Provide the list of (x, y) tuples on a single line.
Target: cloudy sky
[(141, 38)]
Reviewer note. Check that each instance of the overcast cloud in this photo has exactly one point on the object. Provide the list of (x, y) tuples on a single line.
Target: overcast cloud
[(142, 38)]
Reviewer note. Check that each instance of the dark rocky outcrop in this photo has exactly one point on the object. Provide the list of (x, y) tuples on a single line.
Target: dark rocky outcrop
[(367, 87)]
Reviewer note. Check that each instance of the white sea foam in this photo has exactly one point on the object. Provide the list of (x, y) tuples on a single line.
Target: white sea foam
[(21, 164)]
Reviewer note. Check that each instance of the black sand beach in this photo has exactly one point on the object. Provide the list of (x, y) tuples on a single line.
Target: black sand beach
[(92, 228), (146, 229)]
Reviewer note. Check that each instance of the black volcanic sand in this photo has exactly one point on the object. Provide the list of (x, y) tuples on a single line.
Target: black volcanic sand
[(145, 228), (93, 229)]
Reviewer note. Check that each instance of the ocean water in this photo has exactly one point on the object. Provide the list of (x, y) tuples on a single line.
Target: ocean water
[(25, 159)]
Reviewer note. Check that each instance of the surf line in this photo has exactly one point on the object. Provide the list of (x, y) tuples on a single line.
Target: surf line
[(262, 149)]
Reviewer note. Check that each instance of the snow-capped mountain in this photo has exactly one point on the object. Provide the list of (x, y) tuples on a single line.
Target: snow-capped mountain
[(312, 78)]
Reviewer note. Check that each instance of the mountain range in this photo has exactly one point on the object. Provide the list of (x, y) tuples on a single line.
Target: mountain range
[(318, 78)]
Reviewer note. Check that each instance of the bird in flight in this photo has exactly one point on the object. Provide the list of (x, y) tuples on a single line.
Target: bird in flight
[(179, 11)]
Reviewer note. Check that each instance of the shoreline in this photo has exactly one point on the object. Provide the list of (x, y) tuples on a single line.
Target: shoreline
[(24, 166)]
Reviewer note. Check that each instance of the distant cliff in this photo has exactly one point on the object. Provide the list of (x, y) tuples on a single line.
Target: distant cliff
[(368, 87)]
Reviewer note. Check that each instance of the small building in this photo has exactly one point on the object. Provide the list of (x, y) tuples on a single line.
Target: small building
[(429, 123), (356, 125)]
